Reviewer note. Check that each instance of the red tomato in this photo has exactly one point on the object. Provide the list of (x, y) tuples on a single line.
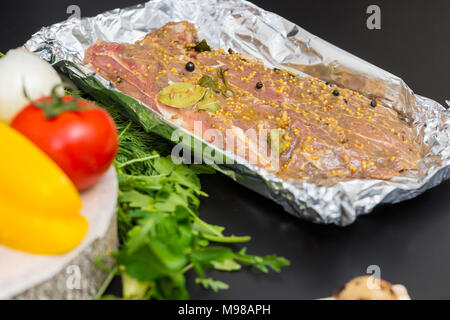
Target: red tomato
[(82, 141)]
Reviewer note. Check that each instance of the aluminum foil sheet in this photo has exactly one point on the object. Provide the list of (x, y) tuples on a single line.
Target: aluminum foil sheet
[(246, 28)]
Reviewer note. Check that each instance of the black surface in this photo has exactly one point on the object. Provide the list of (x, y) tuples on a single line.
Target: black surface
[(409, 241)]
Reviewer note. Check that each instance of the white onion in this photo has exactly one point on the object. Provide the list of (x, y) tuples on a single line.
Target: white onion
[(20, 69)]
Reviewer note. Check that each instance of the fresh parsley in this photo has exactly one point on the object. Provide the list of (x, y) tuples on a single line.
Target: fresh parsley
[(161, 234)]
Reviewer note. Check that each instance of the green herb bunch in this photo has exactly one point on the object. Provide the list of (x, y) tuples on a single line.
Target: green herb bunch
[(161, 234)]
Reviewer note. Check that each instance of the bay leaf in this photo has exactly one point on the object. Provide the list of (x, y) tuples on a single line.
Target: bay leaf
[(209, 103), (181, 94)]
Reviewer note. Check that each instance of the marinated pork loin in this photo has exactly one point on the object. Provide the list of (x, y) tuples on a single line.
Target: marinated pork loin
[(323, 132)]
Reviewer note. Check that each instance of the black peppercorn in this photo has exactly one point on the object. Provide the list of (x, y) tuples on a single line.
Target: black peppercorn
[(190, 66), (259, 85), (373, 103), (335, 93)]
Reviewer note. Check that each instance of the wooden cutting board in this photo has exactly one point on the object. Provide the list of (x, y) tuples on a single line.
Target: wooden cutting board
[(73, 275)]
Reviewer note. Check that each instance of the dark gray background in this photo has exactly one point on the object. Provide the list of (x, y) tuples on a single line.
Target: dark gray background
[(409, 241)]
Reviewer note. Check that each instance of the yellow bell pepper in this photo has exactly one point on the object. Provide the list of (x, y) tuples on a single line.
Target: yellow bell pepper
[(39, 205)]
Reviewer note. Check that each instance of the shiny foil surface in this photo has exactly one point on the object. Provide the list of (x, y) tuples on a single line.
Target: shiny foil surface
[(246, 28)]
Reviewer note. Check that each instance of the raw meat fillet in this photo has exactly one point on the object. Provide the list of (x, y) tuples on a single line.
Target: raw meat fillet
[(326, 133)]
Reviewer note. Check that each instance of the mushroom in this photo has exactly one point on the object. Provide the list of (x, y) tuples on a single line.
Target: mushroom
[(367, 288)]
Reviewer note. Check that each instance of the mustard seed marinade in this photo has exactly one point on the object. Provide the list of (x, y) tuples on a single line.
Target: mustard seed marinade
[(327, 133)]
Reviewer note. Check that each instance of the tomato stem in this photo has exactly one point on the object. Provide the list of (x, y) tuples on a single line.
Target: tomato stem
[(56, 105)]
